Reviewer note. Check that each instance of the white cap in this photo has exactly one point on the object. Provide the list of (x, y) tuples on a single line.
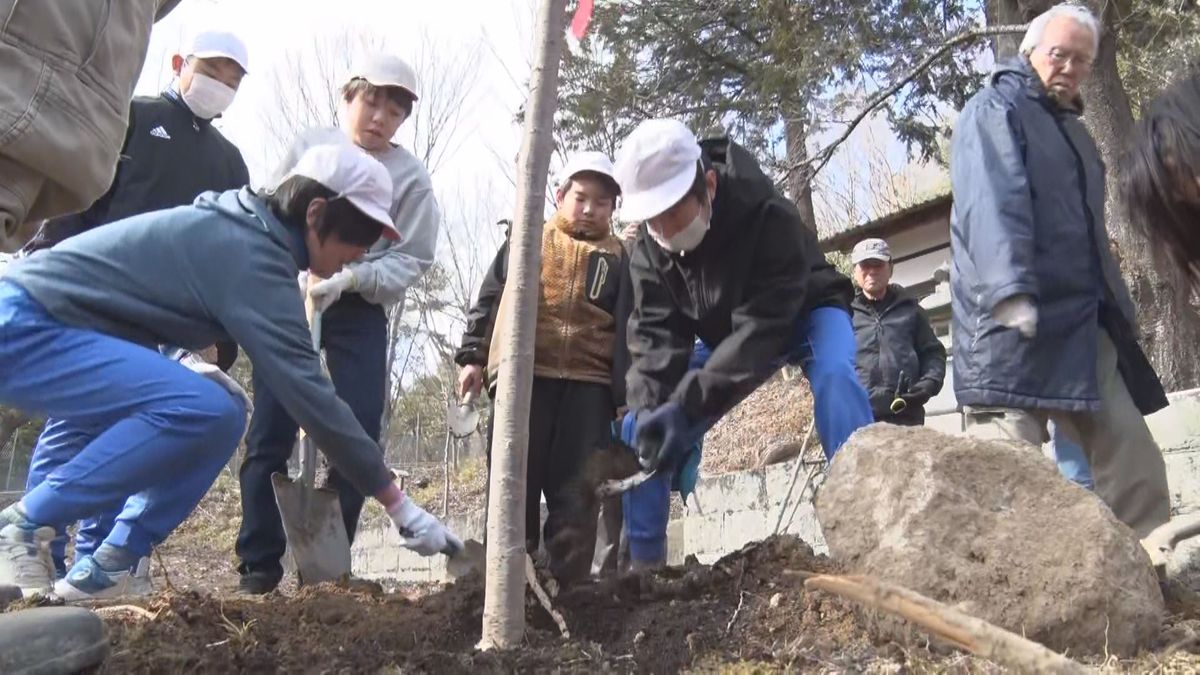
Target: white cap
[(586, 160), (656, 166), (385, 70), (211, 44), (353, 175)]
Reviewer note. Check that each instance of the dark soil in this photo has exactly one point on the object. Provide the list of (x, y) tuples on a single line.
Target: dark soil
[(661, 621), (748, 612)]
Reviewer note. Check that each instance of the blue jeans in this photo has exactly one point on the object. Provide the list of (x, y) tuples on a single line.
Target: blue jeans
[(824, 347), (1072, 463), (136, 433)]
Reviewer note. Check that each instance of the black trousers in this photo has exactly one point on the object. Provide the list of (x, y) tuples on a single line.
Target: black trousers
[(568, 421), (354, 336)]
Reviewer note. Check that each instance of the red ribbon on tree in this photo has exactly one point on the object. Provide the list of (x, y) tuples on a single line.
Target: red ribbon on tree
[(583, 16)]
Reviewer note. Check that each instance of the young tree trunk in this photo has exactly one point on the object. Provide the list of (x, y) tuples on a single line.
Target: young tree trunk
[(799, 190), (504, 595)]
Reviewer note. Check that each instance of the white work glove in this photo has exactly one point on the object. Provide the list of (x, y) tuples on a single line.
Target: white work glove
[(422, 532), (326, 292), (1017, 312), (202, 367)]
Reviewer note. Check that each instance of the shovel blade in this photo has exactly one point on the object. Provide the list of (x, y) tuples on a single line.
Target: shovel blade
[(316, 533), (471, 558)]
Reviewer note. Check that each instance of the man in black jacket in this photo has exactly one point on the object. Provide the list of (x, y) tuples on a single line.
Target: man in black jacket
[(722, 256), (900, 361), (172, 154)]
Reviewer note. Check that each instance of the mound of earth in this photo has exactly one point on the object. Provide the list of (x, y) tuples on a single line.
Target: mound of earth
[(749, 612), (749, 606)]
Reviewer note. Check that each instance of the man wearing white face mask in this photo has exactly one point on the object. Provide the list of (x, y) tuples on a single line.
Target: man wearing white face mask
[(171, 155), (723, 257), (172, 152)]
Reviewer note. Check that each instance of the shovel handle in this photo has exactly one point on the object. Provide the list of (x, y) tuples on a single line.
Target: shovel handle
[(308, 451)]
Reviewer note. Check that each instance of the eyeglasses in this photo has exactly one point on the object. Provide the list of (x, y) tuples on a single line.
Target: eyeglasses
[(1061, 57)]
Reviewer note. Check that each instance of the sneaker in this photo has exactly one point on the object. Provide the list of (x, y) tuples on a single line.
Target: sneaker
[(87, 580), (25, 558), (258, 583)]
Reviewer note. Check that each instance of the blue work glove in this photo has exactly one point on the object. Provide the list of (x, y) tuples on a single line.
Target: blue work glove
[(663, 436)]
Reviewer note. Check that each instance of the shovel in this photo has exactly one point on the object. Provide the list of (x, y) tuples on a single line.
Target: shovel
[(312, 517), (462, 419)]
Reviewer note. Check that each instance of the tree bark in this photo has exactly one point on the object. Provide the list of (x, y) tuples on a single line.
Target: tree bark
[(799, 187), (1005, 13), (1170, 329), (504, 594)]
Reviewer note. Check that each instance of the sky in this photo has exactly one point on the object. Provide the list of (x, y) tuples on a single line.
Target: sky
[(273, 29)]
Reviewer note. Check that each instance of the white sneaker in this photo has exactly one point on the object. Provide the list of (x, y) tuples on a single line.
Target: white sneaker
[(25, 558), (86, 580)]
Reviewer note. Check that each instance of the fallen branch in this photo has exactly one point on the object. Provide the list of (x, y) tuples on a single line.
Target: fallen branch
[(531, 577), (140, 611), (821, 158), (959, 629)]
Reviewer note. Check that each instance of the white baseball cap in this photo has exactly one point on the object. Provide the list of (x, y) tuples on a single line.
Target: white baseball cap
[(353, 175), (385, 70), (656, 166), (211, 44), (586, 160)]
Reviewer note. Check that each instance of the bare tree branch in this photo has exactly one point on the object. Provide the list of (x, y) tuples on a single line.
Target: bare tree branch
[(818, 161)]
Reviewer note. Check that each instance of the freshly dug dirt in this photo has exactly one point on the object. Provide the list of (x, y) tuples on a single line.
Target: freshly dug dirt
[(750, 606)]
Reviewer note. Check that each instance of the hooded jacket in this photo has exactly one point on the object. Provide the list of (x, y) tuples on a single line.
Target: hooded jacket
[(151, 280), (170, 156), (757, 273), (583, 307), (898, 353), (1028, 218)]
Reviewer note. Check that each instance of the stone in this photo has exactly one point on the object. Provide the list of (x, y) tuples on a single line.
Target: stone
[(993, 529)]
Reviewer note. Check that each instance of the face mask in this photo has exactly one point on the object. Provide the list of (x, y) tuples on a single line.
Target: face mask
[(685, 240), (207, 97)]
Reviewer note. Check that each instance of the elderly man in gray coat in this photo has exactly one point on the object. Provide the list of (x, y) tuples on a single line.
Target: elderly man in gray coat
[(1044, 327)]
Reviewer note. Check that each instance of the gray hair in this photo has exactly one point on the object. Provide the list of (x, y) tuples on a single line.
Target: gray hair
[(1081, 15)]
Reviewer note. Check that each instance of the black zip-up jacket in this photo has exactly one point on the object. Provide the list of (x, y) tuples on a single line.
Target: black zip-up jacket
[(170, 157), (898, 353), (742, 290)]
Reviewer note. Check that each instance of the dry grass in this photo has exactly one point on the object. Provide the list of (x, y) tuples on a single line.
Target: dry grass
[(777, 413)]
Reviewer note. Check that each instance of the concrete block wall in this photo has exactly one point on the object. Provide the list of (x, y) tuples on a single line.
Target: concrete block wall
[(737, 508)]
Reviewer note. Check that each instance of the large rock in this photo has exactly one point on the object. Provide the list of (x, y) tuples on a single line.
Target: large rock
[(991, 527)]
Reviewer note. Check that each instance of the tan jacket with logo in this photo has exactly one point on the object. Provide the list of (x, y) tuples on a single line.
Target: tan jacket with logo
[(584, 299)]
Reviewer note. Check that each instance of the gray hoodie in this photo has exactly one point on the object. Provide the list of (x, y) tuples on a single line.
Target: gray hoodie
[(222, 268), (390, 267)]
